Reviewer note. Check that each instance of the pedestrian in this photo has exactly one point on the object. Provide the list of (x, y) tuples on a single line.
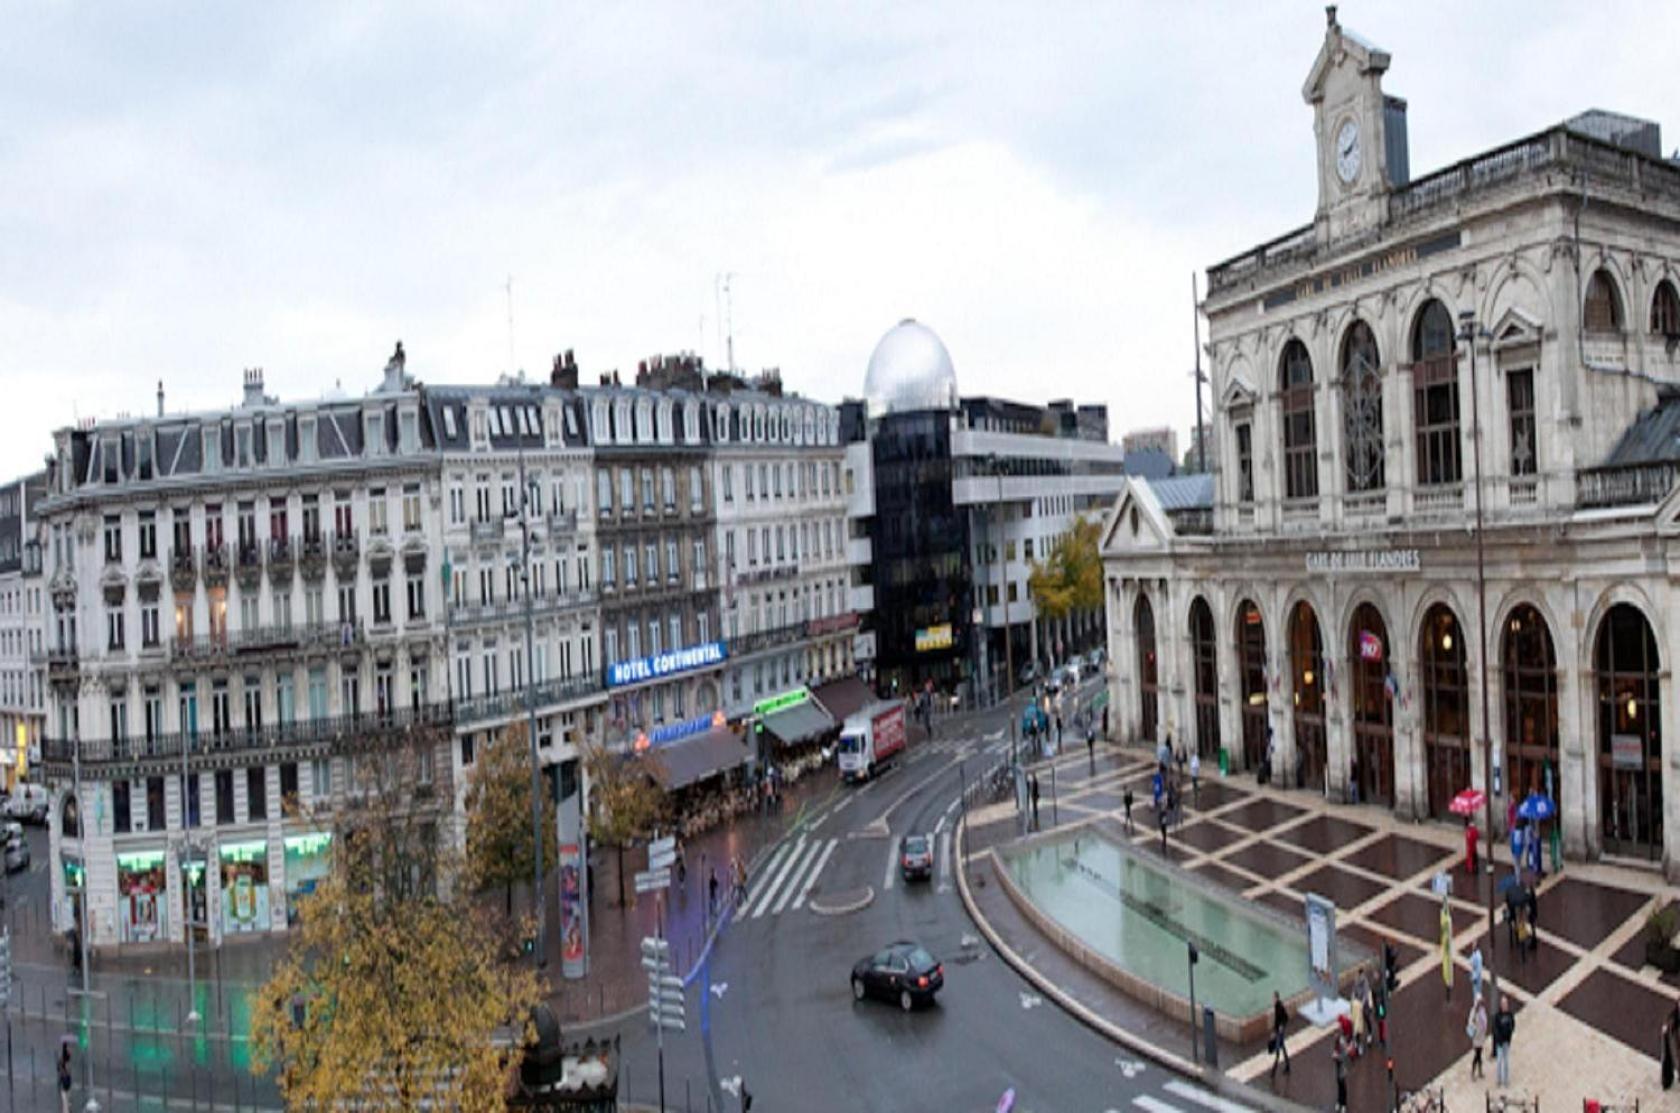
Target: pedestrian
[(64, 1078), (1476, 1029), (1504, 1027), (1034, 784), (1058, 729), (682, 870), (712, 892), (1105, 720), (1280, 1026), (1161, 815), (1091, 744), (1446, 946), (1476, 973), (1531, 904), (740, 882), (1196, 777), (1127, 799), (1391, 965), (1367, 1010), (1158, 787), (1353, 780), (1516, 853), (1471, 836), (1338, 1056)]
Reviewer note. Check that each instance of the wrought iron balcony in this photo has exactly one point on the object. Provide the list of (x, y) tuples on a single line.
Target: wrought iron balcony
[(281, 554), (766, 639), (183, 570), (831, 624), (562, 523), (312, 556), (318, 636), (514, 702), (216, 565), (488, 529), (248, 563), (346, 552), (63, 663)]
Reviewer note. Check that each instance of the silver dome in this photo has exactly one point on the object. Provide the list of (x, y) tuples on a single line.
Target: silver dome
[(910, 370)]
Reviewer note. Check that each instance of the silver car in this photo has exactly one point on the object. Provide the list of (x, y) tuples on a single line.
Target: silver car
[(17, 855)]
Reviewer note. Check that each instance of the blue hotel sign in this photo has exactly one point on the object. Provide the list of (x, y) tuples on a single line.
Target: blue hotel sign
[(665, 664)]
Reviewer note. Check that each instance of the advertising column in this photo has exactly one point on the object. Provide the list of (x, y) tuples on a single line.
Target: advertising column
[(574, 885)]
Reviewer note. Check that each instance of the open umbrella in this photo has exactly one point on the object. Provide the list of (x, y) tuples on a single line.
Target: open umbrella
[(1537, 808), (1468, 802)]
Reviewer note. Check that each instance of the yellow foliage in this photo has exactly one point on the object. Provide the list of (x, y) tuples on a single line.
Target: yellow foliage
[(498, 805), (1070, 577)]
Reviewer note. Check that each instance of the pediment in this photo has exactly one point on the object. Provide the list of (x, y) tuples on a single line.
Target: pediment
[(1515, 329), (1239, 394), (1340, 46), (1137, 524)]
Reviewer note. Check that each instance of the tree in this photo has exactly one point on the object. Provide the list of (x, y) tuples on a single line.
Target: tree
[(1070, 578), (624, 802), (498, 804), (395, 986)]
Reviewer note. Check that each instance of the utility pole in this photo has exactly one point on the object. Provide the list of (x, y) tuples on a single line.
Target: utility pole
[(1468, 334), (1003, 588), (82, 943), (538, 896), (187, 851)]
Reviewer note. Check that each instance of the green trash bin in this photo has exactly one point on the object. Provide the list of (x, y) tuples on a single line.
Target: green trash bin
[(1224, 762)]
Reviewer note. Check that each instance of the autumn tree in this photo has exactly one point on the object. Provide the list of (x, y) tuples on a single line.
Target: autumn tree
[(1070, 578), (499, 841), (624, 802), (395, 986)]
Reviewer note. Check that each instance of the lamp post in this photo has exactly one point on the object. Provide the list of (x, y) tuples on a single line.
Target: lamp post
[(187, 848), (539, 953), (1003, 588), (1195, 956), (82, 943), (1468, 334)]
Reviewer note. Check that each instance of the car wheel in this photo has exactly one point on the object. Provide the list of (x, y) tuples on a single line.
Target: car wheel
[(905, 1001), (857, 990)]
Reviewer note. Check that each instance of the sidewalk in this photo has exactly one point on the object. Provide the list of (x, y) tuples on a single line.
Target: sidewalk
[(1589, 1014)]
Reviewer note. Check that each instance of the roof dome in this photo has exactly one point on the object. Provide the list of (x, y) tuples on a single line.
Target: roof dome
[(910, 370)]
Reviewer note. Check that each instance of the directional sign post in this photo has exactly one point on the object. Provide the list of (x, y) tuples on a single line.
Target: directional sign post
[(653, 881), (662, 853), (666, 1006)]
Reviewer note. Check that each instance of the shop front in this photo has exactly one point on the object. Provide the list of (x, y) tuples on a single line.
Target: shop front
[(308, 861), (141, 915), (244, 887)]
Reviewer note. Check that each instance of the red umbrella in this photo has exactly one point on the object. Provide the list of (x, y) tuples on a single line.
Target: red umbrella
[(1468, 802)]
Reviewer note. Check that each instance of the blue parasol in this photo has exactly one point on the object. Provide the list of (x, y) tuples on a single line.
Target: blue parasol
[(1537, 808)]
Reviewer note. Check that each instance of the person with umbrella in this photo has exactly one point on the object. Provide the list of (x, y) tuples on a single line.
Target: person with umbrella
[(1535, 810), (1465, 804), (1471, 837)]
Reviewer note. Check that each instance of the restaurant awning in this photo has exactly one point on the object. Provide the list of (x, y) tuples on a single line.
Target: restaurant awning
[(682, 763), (800, 722), (844, 697)]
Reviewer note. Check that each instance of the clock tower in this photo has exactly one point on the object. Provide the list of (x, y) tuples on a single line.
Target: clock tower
[(1361, 133)]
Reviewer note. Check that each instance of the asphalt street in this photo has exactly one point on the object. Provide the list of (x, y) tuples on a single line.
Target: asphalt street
[(782, 1018)]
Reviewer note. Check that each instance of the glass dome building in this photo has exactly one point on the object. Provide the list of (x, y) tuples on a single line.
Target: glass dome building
[(910, 370)]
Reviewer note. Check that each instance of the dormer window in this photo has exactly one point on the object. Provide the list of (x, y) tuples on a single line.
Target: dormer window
[(410, 432), (571, 422), (507, 421), (449, 422), (109, 459), (276, 443), (213, 449), (720, 425), (375, 445), (306, 439)]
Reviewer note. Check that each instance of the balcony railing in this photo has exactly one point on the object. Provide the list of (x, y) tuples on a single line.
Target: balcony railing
[(562, 523), (767, 574), (183, 569), (766, 639), (513, 702), (515, 608), (215, 565), (488, 529), (1193, 522), (280, 550), (320, 635), (341, 732), (1629, 485)]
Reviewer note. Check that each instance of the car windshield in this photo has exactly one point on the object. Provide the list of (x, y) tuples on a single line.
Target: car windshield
[(919, 959), (916, 844)]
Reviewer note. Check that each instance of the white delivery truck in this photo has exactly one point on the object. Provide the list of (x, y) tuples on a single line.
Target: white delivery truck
[(870, 739)]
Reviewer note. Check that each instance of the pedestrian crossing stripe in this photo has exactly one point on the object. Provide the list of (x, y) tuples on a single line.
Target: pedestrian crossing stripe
[(761, 902), (788, 878), (769, 867), (799, 868), (1203, 1098), (810, 878)]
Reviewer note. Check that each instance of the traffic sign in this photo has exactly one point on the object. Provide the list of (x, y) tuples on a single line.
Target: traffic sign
[(665, 847), (661, 861), (649, 880)]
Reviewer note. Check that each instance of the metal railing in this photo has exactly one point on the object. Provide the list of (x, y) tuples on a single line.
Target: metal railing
[(339, 730), (766, 639), (512, 702), (488, 529), (1629, 485), (515, 608), (319, 635)]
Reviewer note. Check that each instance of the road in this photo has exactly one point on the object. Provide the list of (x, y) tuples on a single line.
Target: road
[(782, 1016)]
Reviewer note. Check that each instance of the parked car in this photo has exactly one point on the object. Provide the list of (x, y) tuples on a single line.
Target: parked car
[(1029, 674), (904, 972), (10, 829), (27, 803), (17, 854), (915, 858)]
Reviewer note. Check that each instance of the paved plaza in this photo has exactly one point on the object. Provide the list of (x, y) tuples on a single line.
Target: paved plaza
[(1588, 1013)]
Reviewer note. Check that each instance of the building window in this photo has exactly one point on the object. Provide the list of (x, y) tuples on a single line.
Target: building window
[(1245, 462), (1665, 311), (256, 793), (156, 818), (1525, 451), (411, 508), (416, 595), (377, 510), (382, 600), (1300, 444), (668, 487), (696, 490), (320, 777), (1362, 410), (121, 808), (114, 627), (289, 789), (729, 483), (113, 540), (148, 535), (224, 797), (1602, 311), (1435, 390)]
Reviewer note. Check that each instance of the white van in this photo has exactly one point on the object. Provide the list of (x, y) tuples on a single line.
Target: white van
[(28, 803)]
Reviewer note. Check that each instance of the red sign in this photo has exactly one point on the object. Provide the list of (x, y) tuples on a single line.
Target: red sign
[(1370, 646)]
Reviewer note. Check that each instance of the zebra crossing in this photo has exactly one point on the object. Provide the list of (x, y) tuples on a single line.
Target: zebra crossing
[(1198, 1099), (786, 880)]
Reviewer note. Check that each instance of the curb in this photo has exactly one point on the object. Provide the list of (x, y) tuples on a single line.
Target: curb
[(1217, 1081), (863, 901)]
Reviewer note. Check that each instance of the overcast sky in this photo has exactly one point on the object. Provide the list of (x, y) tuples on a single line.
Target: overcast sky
[(191, 190)]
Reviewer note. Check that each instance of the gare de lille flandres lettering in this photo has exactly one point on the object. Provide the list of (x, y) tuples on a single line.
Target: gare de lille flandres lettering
[(1365, 560)]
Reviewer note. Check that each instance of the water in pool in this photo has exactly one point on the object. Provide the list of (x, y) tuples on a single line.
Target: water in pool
[(1140, 917)]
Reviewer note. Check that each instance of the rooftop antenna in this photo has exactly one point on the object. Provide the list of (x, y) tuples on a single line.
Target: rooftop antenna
[(729, 318), (1196, 329), (510, 322)]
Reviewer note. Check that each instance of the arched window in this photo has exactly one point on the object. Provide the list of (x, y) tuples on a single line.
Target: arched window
[(1251, 681), (1306, 662), (1143, 619), (1435, 390), (1300, 443), (1665, 310), (1603, 308), (1630, 743), (1362, 409), (1531, 706), (1205, 654), (1446, 708)]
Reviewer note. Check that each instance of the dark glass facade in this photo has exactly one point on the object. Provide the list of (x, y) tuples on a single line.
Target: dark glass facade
[(922, 579)]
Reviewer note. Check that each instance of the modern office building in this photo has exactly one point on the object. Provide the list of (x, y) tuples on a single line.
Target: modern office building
[(23, 699), (953, 499), (1480, 364)]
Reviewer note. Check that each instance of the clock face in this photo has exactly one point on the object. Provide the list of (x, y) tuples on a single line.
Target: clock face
[(1347, 151)]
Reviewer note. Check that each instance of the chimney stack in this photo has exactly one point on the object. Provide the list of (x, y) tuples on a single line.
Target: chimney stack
[(565, 372), (253, 387), (160, 397)]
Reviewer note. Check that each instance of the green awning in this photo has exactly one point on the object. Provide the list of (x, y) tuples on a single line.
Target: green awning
[(802, 722)]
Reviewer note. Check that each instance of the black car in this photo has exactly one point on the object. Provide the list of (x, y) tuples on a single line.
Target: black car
[(915, 860), (902, 972)]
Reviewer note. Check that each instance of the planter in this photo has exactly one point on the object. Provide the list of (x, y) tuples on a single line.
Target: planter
[(1663, 955)]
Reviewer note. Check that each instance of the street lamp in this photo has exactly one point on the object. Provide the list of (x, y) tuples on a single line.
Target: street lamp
[(1468, 334), (187, 848), (82, 943), (1003, 587), (538, 897)]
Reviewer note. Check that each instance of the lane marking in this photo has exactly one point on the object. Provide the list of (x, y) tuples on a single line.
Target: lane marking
[(940, 826), (793, 878), (769, 893), (1154, 1105), (1202, 1097), (776, 857), (811, 878), (892, 862), (945, 841)]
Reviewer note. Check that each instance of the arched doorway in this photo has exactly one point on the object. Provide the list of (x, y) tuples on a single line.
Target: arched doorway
[(1531, 706), (1446, 708), (1306, 665), (1371, 701), (1629, 734), (1143, 618), (1204, 654), (1251, 674)]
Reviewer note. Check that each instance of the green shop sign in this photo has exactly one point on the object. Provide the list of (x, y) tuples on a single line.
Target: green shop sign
[(140, 861), (782, 702), (75, 874), (304, 846), (245, 851)]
